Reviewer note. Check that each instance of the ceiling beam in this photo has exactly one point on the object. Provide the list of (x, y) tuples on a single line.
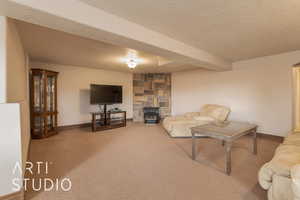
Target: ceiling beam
[(79, 18)]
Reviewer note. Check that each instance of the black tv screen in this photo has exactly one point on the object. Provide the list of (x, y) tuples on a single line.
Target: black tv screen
[(106, 94)]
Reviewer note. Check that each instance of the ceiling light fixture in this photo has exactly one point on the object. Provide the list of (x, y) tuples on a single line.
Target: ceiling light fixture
[(131, 60), (132, 63)]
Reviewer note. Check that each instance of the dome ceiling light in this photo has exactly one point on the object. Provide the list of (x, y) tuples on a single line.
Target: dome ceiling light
[(131, 60)]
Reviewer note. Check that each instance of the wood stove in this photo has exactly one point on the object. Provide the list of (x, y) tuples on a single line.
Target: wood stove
[(151, 115)]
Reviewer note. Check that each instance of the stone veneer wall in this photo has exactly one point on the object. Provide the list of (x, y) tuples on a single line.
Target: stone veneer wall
[(151, 90)]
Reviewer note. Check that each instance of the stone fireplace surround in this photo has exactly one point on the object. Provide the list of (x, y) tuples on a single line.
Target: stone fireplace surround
[(151, 90)]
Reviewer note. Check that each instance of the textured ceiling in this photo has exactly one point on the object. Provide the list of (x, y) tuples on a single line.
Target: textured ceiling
[(52, 46), (235, 30)]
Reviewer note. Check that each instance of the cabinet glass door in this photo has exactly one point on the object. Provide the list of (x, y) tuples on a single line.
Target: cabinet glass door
[(38, 126), (51, 93), (51, 122), (38, 93)]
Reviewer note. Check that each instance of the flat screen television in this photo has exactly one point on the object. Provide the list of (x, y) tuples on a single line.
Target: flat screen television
[(106, 94)]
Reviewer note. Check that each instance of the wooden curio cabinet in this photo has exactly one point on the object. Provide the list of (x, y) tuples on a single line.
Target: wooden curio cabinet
[(43, 103)]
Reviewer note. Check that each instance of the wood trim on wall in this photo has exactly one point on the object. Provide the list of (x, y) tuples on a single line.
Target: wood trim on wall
[(296, 97)]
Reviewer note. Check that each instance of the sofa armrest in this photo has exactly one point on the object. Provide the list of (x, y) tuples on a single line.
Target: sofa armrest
[(265, 176), (295, 176)]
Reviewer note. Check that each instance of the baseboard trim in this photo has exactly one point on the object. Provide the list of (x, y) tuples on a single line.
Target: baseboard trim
[(82, 125), (13, 196), (271, 137), (74, 126)]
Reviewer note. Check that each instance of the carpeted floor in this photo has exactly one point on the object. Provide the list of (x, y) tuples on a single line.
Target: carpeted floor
[(141, 162)]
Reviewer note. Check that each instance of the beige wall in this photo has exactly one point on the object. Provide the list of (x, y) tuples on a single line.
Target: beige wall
[(73, 90), (15, 134), (3, 27), (257, 90), (17, 81), (17, 71)]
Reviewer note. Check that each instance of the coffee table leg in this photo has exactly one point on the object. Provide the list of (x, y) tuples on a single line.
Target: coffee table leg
[(228, 157), (193, 147), (254, 142)]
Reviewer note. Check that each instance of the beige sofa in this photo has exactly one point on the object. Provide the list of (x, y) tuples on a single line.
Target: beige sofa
[(281, 176), (179, 126)]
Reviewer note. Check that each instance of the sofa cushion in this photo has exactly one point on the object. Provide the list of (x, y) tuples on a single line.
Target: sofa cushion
[(280, 189), (219, 113), (204, 118), (183, 128), (295, 174), (192, 114)]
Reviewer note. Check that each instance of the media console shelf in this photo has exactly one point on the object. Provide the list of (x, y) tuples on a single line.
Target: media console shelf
[(108, 120)]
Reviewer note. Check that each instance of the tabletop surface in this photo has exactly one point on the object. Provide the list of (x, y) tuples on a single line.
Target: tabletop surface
[(228, 129)]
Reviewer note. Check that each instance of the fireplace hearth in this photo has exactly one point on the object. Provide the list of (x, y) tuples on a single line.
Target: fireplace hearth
[(151, 115)]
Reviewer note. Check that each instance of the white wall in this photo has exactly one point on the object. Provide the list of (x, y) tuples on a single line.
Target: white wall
[(10, 146), (73, 91), (257, 90)]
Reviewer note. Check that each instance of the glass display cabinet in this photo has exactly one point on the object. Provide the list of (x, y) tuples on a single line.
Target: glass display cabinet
[(43, 103)]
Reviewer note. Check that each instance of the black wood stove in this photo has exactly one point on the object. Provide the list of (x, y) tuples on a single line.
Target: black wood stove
[(151, 115)]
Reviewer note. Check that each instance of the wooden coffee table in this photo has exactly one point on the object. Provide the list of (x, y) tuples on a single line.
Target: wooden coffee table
[(228, 132)]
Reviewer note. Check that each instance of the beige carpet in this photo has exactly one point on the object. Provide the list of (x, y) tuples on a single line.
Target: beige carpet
[(141, 162)]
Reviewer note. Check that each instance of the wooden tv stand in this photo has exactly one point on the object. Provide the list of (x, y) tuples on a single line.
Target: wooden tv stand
[(105, 120)]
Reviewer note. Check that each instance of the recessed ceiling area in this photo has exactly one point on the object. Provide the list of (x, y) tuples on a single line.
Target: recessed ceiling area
[(57, 47), (234, 30)]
